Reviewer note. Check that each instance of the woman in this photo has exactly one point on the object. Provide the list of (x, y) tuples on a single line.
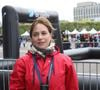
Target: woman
[(43, 67)]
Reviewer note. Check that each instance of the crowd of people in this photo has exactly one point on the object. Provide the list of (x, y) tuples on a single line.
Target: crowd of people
[(82, 40)]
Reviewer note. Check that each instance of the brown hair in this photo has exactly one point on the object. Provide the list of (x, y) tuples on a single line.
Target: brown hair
[(43, 21)]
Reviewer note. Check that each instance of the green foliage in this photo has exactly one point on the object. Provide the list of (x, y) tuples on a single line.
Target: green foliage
[(79, 25), (65, 25), (23, 28)]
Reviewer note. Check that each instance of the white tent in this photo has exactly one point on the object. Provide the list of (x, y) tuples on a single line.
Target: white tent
[(98, 32), (92, 31), (84, 31), (75, 31), (67, 32), (25, 34)]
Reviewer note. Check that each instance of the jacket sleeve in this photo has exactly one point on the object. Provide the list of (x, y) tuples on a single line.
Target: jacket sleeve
[(71, 77), (17, 77)]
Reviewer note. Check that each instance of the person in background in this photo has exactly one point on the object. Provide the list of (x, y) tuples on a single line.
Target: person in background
[(43, 67)]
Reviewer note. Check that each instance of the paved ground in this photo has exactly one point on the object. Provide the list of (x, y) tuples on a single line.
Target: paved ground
[(23, 50)]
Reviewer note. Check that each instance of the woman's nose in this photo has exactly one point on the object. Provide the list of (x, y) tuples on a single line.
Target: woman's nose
[(40, 36)]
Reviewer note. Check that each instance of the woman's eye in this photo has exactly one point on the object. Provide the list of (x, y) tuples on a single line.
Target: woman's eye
[(44, 33), (35, 34)]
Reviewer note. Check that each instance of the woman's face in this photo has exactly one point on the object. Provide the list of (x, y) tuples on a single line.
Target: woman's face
[(41, 36)]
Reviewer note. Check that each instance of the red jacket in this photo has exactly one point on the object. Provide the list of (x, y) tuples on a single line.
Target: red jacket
[(24, 76)]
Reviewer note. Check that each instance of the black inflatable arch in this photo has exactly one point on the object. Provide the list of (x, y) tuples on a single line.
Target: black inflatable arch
[(11, 16)]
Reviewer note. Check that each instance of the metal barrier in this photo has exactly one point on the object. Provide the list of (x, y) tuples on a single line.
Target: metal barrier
[(88, 73), (6, 66)]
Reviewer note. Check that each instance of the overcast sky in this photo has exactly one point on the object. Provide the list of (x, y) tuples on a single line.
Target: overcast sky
[(63, 7)]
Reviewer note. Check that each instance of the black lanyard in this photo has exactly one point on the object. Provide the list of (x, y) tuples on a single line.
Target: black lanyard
[(38, 72)]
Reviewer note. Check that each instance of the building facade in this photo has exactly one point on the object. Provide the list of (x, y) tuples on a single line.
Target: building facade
[(87, 11)]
